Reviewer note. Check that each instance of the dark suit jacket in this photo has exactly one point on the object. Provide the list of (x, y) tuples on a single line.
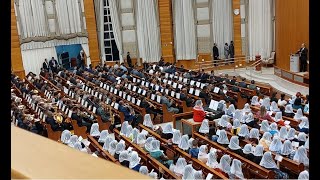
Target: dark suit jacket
[(53, 124), (205, 96), (304, 54), (45, 66), (231, 49), (51, 63), (126, 112), (243, 84), (183, 97), (215, 51)]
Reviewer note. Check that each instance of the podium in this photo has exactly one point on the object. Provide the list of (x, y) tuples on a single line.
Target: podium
[(294, 63)]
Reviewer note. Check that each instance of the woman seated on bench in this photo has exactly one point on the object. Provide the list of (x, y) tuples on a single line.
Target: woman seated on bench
[(167, 132), (265, 127), (302, 138), (258, 153), (141, 139), (184, 143), (234, 145), (121, 146), (263, 114), (198, 112), (203, 153), (288, 111), (158, 154), (304, 125), (179, 167), (278, 119), (224, 165), (244, 132), (268, 163), (298, 115), (254, 135), (235, 126), (223, 138), (276, 145), (134, 161), (147, 121), (236, 170), (147, 145), (265, 141), (248, 152), (287, 149), (124, 158), (212, 160)]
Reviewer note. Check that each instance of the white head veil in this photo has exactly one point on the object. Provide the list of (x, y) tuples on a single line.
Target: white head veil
[(155, 145), (265, 127), (225, 163), (266, 103), (212, 160), (198, 174), (288, 108), (246, 108), (112, 147), (274, 106), (234, 143), (255, 101), (293, 98), (298, 115), (244, 131), (107, 142), (276, 144), (304, 175), (184, 142), (144, 170), (301, 156), (190, 142), (135, 133), (94, 131), (278, 116), (236, 124), (147, 121), (286, 148), (306, 144), (78, 146), (103, 136), (291, 133), (134, 159), (231, 110), (124, 127), (237, 115), (124, 156), (258, 151), (188, 172), (180, 165), (121, 146), (267, 136), (202, 152), (274, 126), (141, 139), (247, 149), (176, 137), (147, 145), (254, 133), (223, 138), (249, 118), (302, 136), (223, 121), (304, 122), (128, 131), (204, 128), (65, 136), (267, 161), (283, 132), (73, 140), (236, 168), (167, 128)]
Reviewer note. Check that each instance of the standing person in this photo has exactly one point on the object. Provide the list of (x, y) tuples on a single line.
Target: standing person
[(45, 65), (53, 65), (129, 59), (215, 53), (226, 52), (303, 52), (231, 50)]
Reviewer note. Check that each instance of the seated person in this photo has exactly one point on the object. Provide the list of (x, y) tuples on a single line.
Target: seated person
[(234, 145), (298, 101), (254, 135), (198, 112), (273, 128), (258, 153), (134, 161), (303, 175), (128, 112), (278, 119), (121, 146), (179, 167), (262, 114), (203, 153), (268, 163), (223, 138), (287, 149), (301, 156), (147, 121), (212, 160), (184, 144), (255, 101), (273, 97), (275, 145), (250, 121), (159, 155), (304, 125), (167, 132), (274, 107), (224, 165), (302, 138), (282, 101), (265, 141), (298, 115), (169, 104), (235, 127), (288, 111), (236, 170), (306, 106), (244, 132)]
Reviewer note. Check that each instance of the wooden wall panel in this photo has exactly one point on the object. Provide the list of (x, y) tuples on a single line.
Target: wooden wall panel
[(92, 32), (188, 64), (166, 30), (16, 58), (237, 28), (292, 29)]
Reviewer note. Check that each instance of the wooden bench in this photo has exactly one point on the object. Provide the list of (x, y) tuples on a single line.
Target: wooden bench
[(103, 153), (54, 135), (80, 131)]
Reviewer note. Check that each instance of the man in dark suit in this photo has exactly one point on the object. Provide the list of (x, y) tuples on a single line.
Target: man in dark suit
[(129, 59), (45, 65), (243, 84), (54, 125), (303, 52), (231, 50), (205, 94), (53, 65), (215, 53)]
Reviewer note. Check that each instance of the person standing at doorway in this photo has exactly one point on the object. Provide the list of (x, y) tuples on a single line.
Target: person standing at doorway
[(303, 52)]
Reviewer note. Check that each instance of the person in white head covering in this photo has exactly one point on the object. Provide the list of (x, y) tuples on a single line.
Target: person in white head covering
[(147, 145), (167, 132), (275, 145), (302, 138), (234, 145), (254, 135), (134, 161), (304, 125), (291, 133), (265, 127), (147, 121), (301, 156), (223, 121), (112, 147), (258, 152), (134, 135), (198, 112), (266, 103), (268, 163), (265, 141), (128, 131), (287, 149), (176, 136), (250, 120), (198, 175), (235, 126), (278, 118), (107, 142), (274, 107), (248, 152), (298, 115), (224, 164), (236, 170), (283, 133), (94, 131), (223, 138), (121, 146), (158, 154), (78, 146), (204, 128), (255, 101), (141, 139), (152, 174), (212, 160), (231, 110), (144, 170), (73, 140), (237, 115), (180, 165), (306, 145), (203, 153), (293, 98), (304, 175), (184, 142), (246, 108), (274, 128), (190, 141), (124, 158), (244, 131), (103, 136), (188, 173), (124, 127), (288, 111), (65, 136)]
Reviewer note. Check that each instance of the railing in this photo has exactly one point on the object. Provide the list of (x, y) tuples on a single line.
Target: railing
[(253, 66)]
